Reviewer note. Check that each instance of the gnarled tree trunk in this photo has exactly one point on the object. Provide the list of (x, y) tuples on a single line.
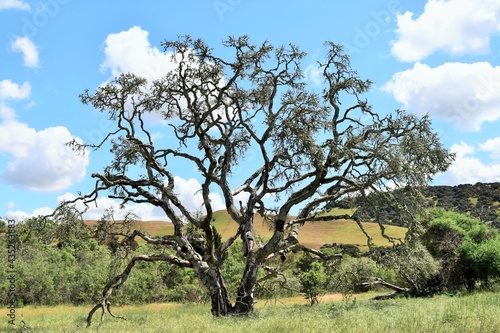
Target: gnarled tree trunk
[(245, 294), (221, 305), (212, 279)]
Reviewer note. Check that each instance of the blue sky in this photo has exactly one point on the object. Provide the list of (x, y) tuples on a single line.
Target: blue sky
[(429, 57)]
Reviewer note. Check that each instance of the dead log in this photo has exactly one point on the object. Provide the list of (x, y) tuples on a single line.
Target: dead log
[(397, 289)]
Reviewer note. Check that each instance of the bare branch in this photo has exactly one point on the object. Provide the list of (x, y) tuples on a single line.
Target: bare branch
[(117, 281)]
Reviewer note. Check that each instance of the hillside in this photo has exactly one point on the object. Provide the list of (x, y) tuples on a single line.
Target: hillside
[(481, 200), (311, 234)]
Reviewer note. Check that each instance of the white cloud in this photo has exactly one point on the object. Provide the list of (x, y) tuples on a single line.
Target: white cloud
[(453, 26), (19, 215), (313, 73), (493, 147), (11, 90), (7, 114), (188, 192), (28, 50), (40, 160), (468, 169), (17, 139), (468, 94), (130, 51), (14, 4)]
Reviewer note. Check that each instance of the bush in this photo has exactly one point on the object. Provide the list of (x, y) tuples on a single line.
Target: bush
[(312, 276), (349, 275)]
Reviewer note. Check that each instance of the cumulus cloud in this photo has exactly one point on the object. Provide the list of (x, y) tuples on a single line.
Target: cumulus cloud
[(43, 162), (11, 90), (493, 147), (467, 94), (452, 26), (14, 4), (468, 169), (28, 49), (131, 51), (16, 138), (38, 160), (19, 215), (188, 192)]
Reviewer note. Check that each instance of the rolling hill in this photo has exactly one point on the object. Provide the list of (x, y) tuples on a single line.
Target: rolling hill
[(480, 200), (311, 234)]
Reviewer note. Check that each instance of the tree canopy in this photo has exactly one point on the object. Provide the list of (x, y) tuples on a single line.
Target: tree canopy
[(308, 146)]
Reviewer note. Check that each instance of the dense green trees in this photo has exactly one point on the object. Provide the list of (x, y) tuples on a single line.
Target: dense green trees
[(450, 252), (313, 278), (480, 200), (63, 262), (468, 250)]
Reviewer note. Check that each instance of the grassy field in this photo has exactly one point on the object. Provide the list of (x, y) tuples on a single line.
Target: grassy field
[(311, 234), (471, 313)]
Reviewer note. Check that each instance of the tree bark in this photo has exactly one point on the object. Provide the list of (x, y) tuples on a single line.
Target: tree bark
[(212, 279), (245, 295), (221, 305)]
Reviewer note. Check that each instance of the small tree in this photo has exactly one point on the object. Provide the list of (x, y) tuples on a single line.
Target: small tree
[(313, 276), (306, 146), (417, 268), (313, 281), (348, 277)]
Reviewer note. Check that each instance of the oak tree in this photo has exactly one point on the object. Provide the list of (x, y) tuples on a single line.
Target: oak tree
[(251, 124)]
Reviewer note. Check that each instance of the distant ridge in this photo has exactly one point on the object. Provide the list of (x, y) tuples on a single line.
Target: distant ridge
[(480, 200)]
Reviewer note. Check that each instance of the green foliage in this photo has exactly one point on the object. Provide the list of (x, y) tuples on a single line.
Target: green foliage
[(348, 276), (3, 227), (61, 263), (312, 277), (416, 267), (233, 266), (488, 257), (47, 274), (468, 249)]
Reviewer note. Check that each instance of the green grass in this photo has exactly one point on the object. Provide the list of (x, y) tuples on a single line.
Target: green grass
[(471, 313)]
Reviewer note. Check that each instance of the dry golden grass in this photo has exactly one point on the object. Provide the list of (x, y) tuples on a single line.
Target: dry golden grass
[(311, 234)]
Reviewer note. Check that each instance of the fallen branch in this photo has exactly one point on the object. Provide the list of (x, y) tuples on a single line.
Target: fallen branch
[(397, 289)]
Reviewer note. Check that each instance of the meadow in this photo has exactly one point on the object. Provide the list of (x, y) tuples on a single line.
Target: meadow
[(477, 312), (314, 235)]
